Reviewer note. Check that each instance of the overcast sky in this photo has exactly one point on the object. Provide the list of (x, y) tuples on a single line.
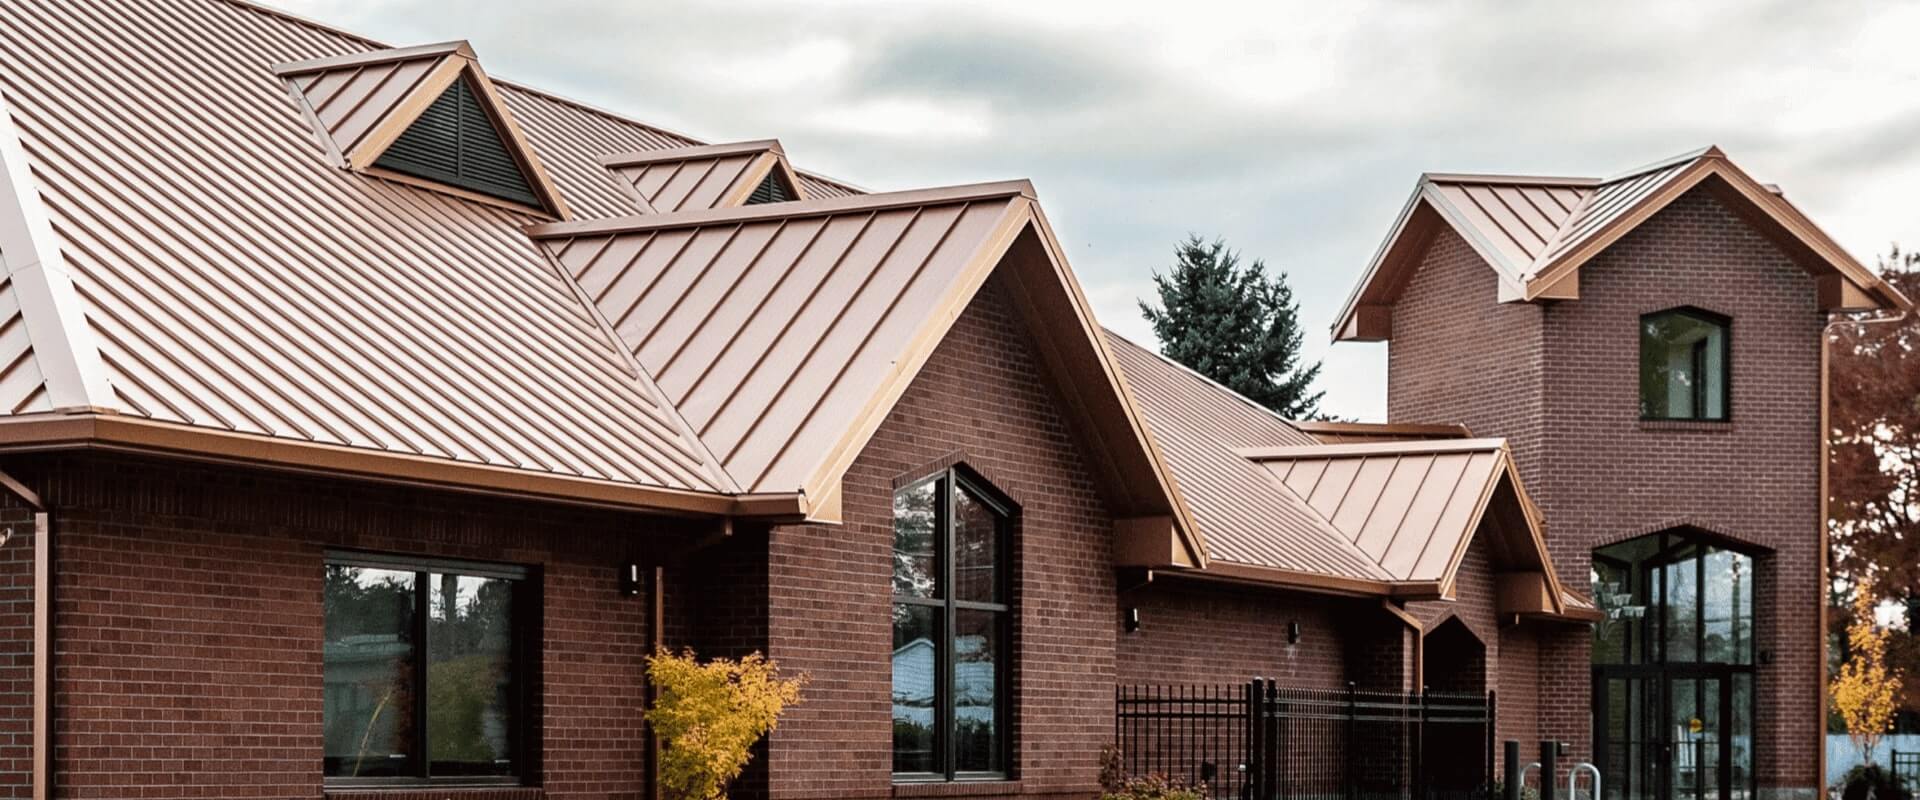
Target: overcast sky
[(1293, 130)]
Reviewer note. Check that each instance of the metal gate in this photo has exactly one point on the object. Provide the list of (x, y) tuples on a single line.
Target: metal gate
[(1264, 741)]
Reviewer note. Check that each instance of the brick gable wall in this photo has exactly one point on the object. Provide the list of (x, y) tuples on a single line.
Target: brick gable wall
[(1755, 479), (1560, 381), (981, 397)]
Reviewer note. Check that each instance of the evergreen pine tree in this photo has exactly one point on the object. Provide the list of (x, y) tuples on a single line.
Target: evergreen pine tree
[(1236, 325)]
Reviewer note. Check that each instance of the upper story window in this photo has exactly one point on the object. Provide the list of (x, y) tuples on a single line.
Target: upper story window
[(423, 665), (951, 630), (1684, 365)]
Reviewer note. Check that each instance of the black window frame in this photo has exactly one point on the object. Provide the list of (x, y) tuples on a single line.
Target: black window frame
[(955, 479), (1699, 389), (524, 651)]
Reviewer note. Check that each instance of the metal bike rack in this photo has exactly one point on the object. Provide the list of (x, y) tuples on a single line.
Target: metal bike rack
[(1573, 775)]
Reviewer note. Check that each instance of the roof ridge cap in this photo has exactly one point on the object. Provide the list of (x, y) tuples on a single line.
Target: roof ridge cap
[(789, 210), (1710, 151), (637, 157), (1490, 177)]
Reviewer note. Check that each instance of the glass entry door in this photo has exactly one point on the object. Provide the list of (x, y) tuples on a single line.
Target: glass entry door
[(1674, 733)]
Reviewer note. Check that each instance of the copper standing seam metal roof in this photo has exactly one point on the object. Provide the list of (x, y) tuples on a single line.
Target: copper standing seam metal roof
[(699, 178), (203, 257), (1536, 232)]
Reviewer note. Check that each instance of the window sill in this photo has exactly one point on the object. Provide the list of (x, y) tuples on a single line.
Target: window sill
[(1696, 425), (469, 792), (956, 788)]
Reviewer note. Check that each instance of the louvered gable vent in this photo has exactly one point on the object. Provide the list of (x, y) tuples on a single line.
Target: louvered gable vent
[(455, 141), (773, 189)]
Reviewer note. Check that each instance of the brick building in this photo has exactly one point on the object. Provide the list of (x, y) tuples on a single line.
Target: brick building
[(366, 421)]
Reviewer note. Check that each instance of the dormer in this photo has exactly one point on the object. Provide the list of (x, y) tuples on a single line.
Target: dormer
[(707, 176), (426, 116)]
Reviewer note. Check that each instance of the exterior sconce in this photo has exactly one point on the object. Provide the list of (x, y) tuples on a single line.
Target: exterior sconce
[(1293, 632), (1131, 619), (630, 579)]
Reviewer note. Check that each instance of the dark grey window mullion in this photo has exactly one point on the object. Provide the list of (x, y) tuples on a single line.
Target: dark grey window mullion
[(943, 552), (422, 609)]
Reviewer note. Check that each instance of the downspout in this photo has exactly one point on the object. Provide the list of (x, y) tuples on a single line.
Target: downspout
[(42, 637), (1826, 546), (659, 643)]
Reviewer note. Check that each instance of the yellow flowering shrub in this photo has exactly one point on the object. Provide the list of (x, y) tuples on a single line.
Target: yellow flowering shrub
[(1865, 690), (708, 715)]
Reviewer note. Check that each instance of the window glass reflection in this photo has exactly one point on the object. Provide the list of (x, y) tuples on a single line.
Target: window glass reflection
[(369, 698)]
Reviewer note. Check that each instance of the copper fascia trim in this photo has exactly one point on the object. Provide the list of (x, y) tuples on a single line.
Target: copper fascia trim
[(1317, 583), (1385, 429), (1353, 449), (132, 434), (793, 210), (636, 158)]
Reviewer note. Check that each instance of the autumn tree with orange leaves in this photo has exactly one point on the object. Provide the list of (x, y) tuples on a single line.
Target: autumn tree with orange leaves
[(1873, 508)]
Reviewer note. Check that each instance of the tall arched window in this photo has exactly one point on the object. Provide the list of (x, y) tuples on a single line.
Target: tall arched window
[(1684, 365), (952, 626)]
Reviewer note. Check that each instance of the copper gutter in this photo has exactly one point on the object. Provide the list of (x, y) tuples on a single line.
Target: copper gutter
[(1826, 546), (116, 432), (42, 748)]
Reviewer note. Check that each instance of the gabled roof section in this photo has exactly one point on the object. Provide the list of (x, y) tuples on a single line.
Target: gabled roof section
[(784, 333), (1536, 233), (1413, 507), (708, 176), (1389, 518), (422, 115), (192, 281), (1246, 520)]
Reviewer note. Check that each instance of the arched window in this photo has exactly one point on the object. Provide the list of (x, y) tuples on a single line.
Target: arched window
[(952, 629), (1684, 365)]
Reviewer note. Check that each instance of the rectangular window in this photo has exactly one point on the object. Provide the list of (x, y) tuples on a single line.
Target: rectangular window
[(424, 671), (1683, 365), (951, 630)]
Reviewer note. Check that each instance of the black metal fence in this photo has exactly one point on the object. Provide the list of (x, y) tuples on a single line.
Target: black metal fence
[(1263, 741), (1907, 766)]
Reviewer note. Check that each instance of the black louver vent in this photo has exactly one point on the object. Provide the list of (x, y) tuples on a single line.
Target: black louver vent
[(772, 190), (454, 142)]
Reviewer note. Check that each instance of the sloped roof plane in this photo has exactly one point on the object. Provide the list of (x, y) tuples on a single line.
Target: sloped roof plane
[(1536, 232), (785, 332), (703, 177), (1381, 516)]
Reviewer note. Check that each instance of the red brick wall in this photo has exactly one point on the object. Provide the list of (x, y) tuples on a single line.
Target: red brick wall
[(1214, 634), (16, 650), (1754, 478), (1561, 382), (1459, 355), (189, 617), (982, 396)]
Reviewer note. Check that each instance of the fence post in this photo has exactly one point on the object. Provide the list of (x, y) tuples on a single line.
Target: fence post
[(1514, 773), (1549, 768), (1256, 742), (1353, 711), (1492, 730), (1420, 748)]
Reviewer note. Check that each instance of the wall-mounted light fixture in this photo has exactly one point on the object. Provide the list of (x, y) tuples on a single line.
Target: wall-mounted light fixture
[(630, 579), (1131, 619), (1293, 632)]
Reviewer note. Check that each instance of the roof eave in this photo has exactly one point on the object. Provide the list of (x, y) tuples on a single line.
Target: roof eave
[(96, 430)]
